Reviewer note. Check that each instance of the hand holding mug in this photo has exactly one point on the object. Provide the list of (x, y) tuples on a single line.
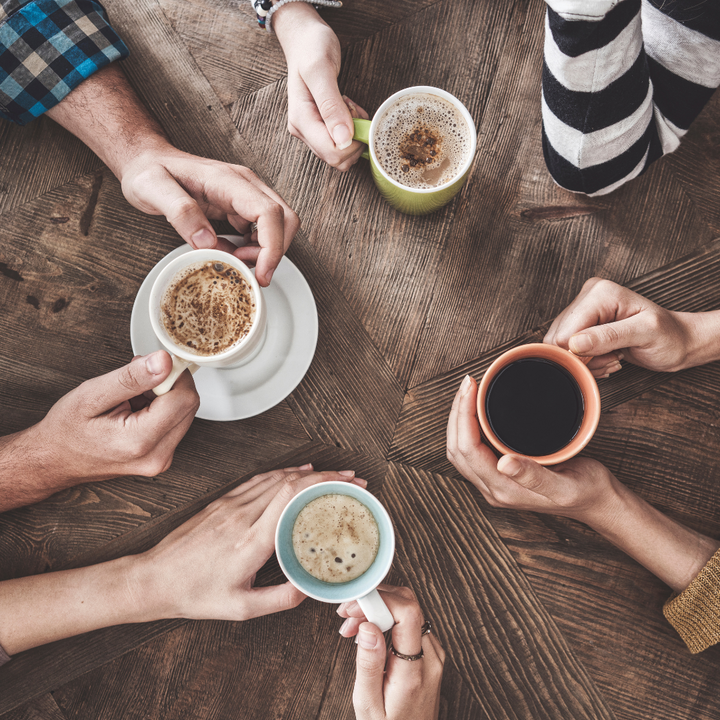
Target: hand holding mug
[(205, 569), (387, 686), (104, 428), (608, 322), (579, 488), (317, 113)]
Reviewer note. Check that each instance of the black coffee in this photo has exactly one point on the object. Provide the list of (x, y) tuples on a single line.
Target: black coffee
[(534, 406)]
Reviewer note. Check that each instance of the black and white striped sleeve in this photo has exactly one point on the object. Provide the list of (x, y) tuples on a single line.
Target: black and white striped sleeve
[(622, 82)]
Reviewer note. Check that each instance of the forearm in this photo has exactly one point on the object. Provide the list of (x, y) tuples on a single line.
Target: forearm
[(25, 476), (44, 608), (106, 114), (290, 24), (669, 550), (703, 332)]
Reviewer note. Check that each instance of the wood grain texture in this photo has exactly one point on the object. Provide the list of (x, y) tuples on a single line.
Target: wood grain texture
[(688, 284), (42, 708), (498, 635), (40, 669), (664, 445)]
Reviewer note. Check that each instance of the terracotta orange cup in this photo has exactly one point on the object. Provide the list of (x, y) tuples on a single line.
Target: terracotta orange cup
[(582, 376)]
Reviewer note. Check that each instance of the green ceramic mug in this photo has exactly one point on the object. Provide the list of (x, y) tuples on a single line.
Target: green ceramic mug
[(414, 201)]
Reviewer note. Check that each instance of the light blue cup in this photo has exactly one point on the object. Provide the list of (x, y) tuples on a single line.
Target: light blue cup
[(363, 588)]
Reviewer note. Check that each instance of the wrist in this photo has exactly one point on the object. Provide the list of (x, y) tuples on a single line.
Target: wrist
[(149, 597), (293, 20), (702, 332)]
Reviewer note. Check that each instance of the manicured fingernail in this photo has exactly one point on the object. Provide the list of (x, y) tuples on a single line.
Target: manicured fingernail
[(342, 137), (154, 363), (509, 466), (203, 239), (269, 274), (344, 627), (602, 377), (347, 473), (340, 609), (465, 386), (360, 482), (366, 640), (581, 344), (614, 367), (307, 466)]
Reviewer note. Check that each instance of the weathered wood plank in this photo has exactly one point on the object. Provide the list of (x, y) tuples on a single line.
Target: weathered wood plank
[(497, 633), (688, 284), (38, 670)]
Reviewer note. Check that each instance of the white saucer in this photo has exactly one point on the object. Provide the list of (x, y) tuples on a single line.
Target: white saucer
[(292, 332)]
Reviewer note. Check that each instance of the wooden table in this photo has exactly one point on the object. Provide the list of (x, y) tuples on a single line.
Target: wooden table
[(541, 618)]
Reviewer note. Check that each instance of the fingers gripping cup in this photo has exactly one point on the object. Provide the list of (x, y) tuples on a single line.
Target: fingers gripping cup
[(335, 543), (421, 144), (207, 309), (540, 401)]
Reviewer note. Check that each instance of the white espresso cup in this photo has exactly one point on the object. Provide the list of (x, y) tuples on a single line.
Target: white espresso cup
[(238, 354)]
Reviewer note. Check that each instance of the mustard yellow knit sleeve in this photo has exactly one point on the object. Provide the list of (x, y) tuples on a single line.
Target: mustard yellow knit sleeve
[(695, 612)]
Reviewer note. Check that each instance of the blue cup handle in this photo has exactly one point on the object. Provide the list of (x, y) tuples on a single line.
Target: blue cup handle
[(376, 611)]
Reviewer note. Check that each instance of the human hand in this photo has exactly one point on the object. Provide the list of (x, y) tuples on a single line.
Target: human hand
[(205, 569), (580, 488), (317, 113), (108, 426), (190, 191), (608, 322), (386, 686)]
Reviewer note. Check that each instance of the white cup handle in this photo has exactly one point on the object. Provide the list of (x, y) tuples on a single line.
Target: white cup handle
[(376, 611), (179, 367)]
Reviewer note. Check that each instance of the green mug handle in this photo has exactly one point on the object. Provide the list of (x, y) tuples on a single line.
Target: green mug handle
[(362, 133)]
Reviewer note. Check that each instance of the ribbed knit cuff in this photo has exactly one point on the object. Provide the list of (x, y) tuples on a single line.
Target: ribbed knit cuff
[(587, 10), (695, 612)]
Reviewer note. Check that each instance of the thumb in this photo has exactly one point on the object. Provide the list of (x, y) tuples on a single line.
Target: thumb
[(142, 374), (166, 197), (274, 598), (371, 658), (527, 473), (332, 108), (603, 339)]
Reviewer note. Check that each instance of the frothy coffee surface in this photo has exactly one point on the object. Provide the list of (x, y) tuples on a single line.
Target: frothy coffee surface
[(422, 141), (335, 538), (207, 308)]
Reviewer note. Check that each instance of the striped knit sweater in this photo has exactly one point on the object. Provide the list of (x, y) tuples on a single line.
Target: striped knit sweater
[(622, 82)]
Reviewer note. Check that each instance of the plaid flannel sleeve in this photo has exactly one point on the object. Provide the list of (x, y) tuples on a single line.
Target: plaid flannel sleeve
[(47, 48)]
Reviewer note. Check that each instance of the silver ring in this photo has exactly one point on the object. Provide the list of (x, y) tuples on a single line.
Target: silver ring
[(402, 656), (424, 630)]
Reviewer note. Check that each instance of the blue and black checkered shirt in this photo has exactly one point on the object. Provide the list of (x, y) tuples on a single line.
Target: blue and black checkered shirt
[(47, 48)]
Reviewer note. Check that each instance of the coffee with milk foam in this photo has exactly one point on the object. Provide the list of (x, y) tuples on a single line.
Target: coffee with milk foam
[(335, 538), (207, 308), (422, 141)]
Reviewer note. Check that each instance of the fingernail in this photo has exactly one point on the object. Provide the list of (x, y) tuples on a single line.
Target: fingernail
[(342, 137), (307, 466), (347, 473), (465, 386), (203, 239), (366, 640), (341, 607), (154, 363), (360, 482), (509, 466), (581, 344), (268, 275), (621, 356), (614, 367), (344, 627)]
